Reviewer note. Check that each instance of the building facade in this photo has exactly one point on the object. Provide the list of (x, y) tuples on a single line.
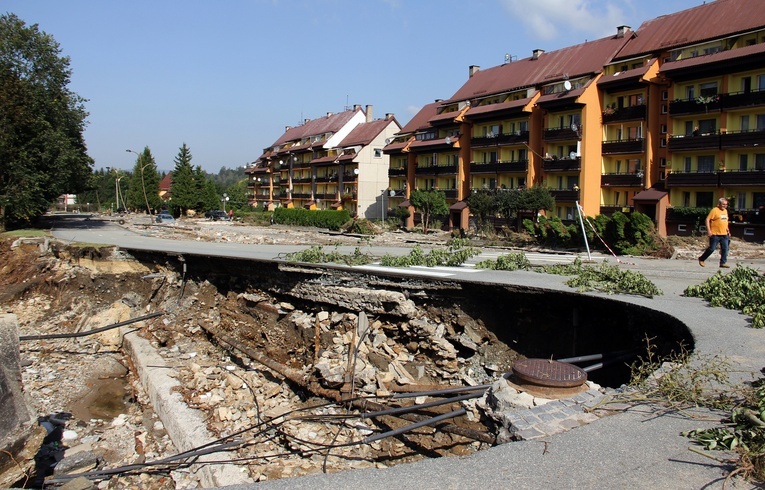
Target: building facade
[(665, 118), (333, 162)]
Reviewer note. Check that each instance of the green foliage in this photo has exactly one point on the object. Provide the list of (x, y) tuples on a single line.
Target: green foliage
[(564, 269), (361, 227), (553, 232), (143, 193), (330, 219), (743, 289), (610, 279), (430, 204), (482, 205), (184, 191), (42, 149), (237, 195), (509, 262), (317, 255), (690, 214), (457, 253)]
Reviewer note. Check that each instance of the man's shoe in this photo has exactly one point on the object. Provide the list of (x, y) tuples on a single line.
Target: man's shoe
[(724, 266), (701, 263)]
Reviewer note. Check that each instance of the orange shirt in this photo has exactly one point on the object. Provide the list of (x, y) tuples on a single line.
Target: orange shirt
[(718, 221)]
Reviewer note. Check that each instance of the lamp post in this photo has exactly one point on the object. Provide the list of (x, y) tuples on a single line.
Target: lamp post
[(143, 184), (117, 179)]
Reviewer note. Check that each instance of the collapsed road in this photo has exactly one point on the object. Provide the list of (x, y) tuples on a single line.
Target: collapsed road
[(295, 333)]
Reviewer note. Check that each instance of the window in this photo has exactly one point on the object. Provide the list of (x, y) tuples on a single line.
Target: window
[(746, 84), (704, 199), (760, 122), (748, 231), (706, 163), (744, 123), (664, 108), (743, 162), (378, 153), (686, 199), (690, 92), (662, 175), (662, 162), (682, 228), (687, 161), (759, 161), (741, 200), (761, 82), (664, 95), (707, 89), (663, 129), (707, 126)]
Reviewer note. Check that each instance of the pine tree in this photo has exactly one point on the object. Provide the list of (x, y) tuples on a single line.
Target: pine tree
[(144, 183), (184, 192)]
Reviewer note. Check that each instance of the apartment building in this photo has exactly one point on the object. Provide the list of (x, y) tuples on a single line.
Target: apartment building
[(666, 117), (333, 162)]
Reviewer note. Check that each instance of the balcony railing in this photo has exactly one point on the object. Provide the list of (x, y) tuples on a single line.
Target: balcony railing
[(695, 179), (623, 146), (436, 170), (562, 165), (516, 138), (742, 178), (566, 195), (705, 141), (621, 180), (560, 134), (519, 166), (326, 178), (632, 113), (396, 171), (741, 139), (731, 100)]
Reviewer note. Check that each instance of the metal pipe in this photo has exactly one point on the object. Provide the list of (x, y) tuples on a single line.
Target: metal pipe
[(412, 408), (444, 391), (402, 430)]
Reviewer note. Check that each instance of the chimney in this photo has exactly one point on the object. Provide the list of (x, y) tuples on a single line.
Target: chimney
[(472, 70), (536, 54), (287, 128), (329, 114), (622, 31), (388, 115), (306, 121), (369, 113), (356, 107)]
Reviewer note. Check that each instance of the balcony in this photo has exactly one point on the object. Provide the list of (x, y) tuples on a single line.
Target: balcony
[(392, 172), (705, 141), (301, 195), (741, 139), (560, 134), (301, 180), (632, 113), (742, 178), (610, 209), (562, 165), (326, 178), (450, 193), (623, 146), (565, 195), (695, 106), (326, 195), (692, 179), (621, 180), (520, 166), (436, 170), (738, 100), (516, 138)]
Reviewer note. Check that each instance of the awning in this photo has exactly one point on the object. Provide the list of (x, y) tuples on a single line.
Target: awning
[(458, 206)]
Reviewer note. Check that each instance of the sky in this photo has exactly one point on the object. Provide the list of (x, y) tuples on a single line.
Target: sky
[(227, 77)]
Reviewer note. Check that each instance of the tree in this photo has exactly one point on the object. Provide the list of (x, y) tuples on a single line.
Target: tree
[(429, 203), (144, 183), (533, 199), (481, 204), (42, 149), (237, 194), (184, 192)]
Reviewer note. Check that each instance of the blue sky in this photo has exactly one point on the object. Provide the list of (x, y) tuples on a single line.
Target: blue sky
[(227, 77)]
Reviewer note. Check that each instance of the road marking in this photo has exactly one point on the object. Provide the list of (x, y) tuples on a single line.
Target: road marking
[(405, 270)]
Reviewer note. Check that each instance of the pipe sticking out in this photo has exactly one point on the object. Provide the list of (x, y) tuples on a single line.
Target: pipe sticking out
[(411, 427)]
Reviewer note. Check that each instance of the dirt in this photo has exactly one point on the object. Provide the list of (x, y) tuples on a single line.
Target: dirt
[(70, 289)]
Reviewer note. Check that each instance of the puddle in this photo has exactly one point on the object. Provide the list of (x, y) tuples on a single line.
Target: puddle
[(106, 398)]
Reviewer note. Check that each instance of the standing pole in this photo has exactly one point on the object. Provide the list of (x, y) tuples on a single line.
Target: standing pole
[(584, 233)]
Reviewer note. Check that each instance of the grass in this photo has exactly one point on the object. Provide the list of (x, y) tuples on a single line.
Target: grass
[(26, 233)]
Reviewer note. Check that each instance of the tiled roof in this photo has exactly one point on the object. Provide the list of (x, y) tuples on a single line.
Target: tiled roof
[(623, 76), (166, 182), (322, 125), (574, 61), (420, 120), (503, 106), (708, 60), (364, 133), (708, 21)]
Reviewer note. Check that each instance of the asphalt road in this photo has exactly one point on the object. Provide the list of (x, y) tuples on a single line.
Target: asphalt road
[(639, 448)]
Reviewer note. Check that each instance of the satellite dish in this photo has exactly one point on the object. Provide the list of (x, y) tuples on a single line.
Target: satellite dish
[(448, 140), (388, 140), (572, 155), (392, 193), (574, 127), (507, 57), (567, 85)]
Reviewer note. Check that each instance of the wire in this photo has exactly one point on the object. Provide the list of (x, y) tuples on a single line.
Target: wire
[(90, 332)]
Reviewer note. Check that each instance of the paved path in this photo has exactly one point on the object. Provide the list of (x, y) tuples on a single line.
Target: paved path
[(638, 448)]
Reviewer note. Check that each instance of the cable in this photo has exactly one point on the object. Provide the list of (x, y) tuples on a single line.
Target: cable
[(90, 332)]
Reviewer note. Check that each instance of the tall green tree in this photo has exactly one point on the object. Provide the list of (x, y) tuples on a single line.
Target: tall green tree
[(183, 190), (482, 205), (42, 149), (143, 192), (429, 203), (237, 194)]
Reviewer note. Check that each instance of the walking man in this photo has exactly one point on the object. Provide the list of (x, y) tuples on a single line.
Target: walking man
[(718, 232)]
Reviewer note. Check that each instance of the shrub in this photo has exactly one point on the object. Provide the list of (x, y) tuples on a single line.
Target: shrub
[(330, 219)]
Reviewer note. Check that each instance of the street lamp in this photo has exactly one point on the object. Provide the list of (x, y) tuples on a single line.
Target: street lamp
[(117, 179), (223, 200), (143, 184)]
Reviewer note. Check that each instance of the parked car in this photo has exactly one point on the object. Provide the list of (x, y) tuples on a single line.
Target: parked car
[(165, 218), (217, 215)]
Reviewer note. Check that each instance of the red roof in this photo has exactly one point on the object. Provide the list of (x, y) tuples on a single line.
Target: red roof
[(167, 182), (420, 120), (720, 18), (322, 125), (574, 61), (364, 133)]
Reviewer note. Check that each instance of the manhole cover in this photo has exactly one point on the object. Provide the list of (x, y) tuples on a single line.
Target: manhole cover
[(546, 372)]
